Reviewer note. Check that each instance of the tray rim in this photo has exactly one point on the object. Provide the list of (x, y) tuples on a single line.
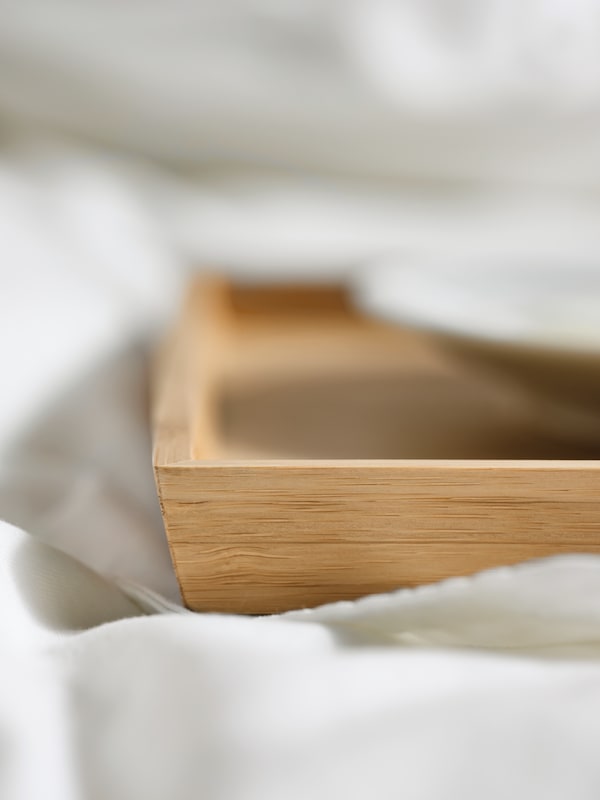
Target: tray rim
[(173, 421)]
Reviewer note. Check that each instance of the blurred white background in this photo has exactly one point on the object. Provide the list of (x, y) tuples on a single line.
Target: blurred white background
[(320, 133)]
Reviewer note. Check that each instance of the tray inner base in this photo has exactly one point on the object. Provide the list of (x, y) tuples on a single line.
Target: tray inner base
[(304, 376)]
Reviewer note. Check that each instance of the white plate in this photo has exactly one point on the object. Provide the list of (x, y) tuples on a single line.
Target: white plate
[(538, 324)]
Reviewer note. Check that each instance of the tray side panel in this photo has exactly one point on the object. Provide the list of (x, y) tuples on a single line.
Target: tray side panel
[(267, 538)]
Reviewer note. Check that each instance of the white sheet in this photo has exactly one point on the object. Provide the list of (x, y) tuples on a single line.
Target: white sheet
[(483, 687), (503, 90), (488, 686)]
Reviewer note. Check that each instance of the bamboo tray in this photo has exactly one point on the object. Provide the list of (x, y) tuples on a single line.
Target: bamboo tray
[(304, 455)]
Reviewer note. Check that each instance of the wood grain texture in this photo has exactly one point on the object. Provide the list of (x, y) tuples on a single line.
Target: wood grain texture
[(261, 535)]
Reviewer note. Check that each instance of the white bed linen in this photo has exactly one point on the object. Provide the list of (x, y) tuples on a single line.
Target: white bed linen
[(486, 687), (479, 687)]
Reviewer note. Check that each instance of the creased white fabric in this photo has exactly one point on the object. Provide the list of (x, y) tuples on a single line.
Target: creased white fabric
[(484, 687), (487, 686), (500, 89)]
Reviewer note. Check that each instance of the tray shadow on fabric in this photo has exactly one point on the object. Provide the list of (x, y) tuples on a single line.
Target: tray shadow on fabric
[(80, 478)]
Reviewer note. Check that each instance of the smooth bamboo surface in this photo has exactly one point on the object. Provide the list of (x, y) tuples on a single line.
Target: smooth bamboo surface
[(304, 455)]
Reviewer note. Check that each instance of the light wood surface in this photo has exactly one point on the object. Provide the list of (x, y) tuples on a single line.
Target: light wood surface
[(304, 455)]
